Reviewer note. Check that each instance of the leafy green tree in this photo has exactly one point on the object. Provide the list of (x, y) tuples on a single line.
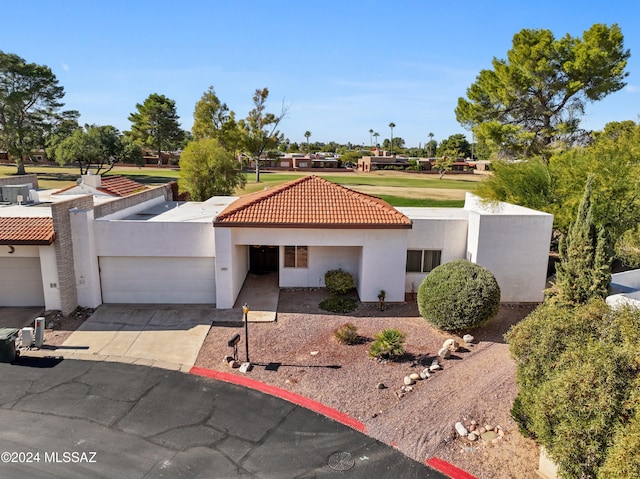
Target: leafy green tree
[(97, 147), (62, 128), (628, 247), (155, 124), (458, 295), (534, 99), (207, 169), (261, 128), (131, 152), (584, 269), (213, 119), (455, 146), (30, 103), (443, 164)]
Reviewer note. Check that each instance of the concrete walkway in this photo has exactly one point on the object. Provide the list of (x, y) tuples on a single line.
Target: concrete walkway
[(261, 293), (164, 336)]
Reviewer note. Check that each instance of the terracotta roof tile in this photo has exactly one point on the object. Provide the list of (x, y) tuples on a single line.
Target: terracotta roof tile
[(311, 201), (26, 231), (120, 186)]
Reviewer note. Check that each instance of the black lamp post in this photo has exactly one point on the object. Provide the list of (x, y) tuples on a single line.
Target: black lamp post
[(245, 311)]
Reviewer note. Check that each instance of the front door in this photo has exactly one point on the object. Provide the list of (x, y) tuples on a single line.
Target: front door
[(263, 259)]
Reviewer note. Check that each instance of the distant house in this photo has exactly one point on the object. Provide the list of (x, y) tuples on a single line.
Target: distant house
[(103, 186), (89, 249)]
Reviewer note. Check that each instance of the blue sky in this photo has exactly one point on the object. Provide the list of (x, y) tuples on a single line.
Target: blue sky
[(343, 67)]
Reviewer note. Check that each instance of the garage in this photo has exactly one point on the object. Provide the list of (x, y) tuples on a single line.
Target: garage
[(153, 279), (21, 282)]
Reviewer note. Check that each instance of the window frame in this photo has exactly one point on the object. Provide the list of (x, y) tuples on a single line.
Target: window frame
[(300, 257), (433, 255)]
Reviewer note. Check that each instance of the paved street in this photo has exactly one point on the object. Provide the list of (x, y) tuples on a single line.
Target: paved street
[(79, 419)]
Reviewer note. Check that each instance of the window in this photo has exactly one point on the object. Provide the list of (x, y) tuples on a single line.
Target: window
[(422, 261), (295, 256)]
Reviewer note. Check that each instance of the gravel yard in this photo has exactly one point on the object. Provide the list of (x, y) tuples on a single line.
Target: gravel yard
[(300, 353)]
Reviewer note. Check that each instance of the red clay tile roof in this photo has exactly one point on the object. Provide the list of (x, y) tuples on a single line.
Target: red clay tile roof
[(114, 186), (26, 231), (120, 186), (311, 202)]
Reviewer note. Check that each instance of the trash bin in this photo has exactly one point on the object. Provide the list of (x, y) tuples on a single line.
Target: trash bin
[(8, 344)]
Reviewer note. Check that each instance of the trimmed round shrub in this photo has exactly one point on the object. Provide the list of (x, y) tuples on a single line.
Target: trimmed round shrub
[(459, 295), (338, 281), (338, 304), (388, 344)]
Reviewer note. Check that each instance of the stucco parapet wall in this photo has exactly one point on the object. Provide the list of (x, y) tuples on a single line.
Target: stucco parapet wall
[(160, 192), (20, 180), (478, 205)]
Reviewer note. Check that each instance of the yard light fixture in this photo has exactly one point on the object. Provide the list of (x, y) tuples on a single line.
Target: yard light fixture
[(245, 312)]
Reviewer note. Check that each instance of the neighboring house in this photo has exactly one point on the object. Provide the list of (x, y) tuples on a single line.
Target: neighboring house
[(97, 185), (144, 248)]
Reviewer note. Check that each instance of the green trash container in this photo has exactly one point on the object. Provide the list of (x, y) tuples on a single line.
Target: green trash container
[(8, 344)]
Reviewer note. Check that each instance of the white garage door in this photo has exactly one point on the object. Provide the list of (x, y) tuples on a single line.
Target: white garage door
[(21, 282), (157, 280)]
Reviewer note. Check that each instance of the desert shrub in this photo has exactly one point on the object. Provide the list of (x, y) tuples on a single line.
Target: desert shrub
[(338, 304), (458, 295), (578, 375), (388, 344), (338, 281), (347, 334)]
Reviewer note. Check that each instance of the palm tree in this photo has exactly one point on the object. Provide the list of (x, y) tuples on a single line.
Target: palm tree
[(307, 134), (376, 134), (392, 126), (431, 135), (371, 135)]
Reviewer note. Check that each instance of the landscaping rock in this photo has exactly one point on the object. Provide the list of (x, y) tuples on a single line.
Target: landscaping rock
[(381, 386), (472, 436), (425, 374), (444, 353), (408, 381), (467, 338), (488, 436), (488, 427), (460, 429), (415, 376), (451, 345), (434, 366)]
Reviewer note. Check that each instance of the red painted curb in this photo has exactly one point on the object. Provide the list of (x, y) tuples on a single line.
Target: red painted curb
[(449, 469), (282, 394)]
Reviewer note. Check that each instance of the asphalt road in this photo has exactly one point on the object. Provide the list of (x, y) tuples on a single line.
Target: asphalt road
[(84, 419)]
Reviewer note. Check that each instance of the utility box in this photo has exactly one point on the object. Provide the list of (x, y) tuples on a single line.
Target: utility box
[(8, 344), (26, 337)]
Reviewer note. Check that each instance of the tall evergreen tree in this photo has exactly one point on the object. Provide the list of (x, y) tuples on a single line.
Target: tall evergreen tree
[(584, 269)]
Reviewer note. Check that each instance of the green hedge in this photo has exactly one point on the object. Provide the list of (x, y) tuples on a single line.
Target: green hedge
[(338, 281)]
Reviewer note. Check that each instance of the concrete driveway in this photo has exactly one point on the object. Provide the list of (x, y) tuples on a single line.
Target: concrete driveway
[(165, 336), (15, 317)]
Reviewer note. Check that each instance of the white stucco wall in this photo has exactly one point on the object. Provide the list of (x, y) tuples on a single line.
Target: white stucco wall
[(320, 260), (513, 243), (50, 282), (85, 258), (446, 232), (384, 258), (154, 238)]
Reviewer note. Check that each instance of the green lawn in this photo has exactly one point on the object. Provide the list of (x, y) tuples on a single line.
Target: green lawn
[(52, 177)]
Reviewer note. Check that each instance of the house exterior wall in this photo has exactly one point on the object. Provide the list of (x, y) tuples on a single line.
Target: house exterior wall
[(514, 246), (320, 260), (50, 281), (448, 235), (85, 258), (383, 263)]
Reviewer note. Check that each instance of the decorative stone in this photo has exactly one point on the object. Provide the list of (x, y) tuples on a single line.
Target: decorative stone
[(472, 427), (425, 374), (460, 429), (234, 364), (467, 338), (501, 432), (488, 436), (434, 366), (481, 430), (227, 359), (474, 422), (245, 367), (314, 353), (472, 436), (408, 381), (451, 345), (381, 386), (415, 376), (444, 353), (488, 427)]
